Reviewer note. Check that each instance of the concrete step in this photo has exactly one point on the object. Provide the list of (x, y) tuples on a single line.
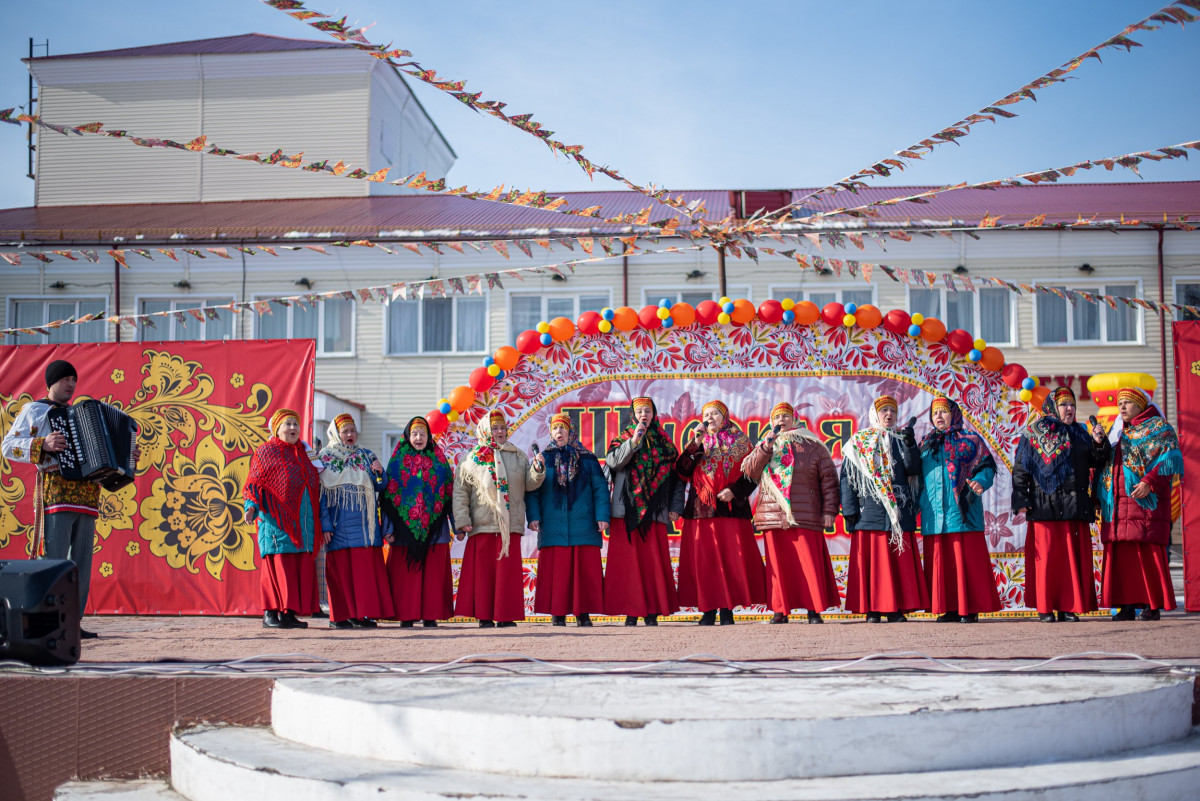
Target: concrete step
[(135, 790), (219, 764), (630, 728)]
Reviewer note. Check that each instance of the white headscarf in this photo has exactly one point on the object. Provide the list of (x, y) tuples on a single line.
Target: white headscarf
[(346, 480)]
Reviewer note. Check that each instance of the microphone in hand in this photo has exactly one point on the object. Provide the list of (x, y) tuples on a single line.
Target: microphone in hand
[(536, 450), (909, 435)]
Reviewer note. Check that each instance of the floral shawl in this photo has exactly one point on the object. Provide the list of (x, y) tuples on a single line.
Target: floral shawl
[(279, 476), (416, 498), (869, 453), (1045, 450), (347, 481), (1147, 444), (721, 464), (566, 462), (963, 453), (651, 475), (776, 479), (490, 478)]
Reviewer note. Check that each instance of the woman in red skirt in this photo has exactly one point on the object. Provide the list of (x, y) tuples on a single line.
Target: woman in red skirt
[(797, 501), (881, 468), (354, 571), (646, 496), (489, 509), (1052, 487), (570, 514), (720, 566), (416, 503), (957, 468), (1135, 508)]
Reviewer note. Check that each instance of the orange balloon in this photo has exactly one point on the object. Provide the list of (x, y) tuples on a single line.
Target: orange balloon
[(743, 311), (992, 359), (806, 312), (561, 328), (461, 399), (625, 318), (1039, 396), (868, 316), (683, 314), (506, 357), (933, 330)]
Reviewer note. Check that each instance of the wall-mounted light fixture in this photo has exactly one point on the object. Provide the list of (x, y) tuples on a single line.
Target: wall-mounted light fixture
[(557, 277), (1087, 268), (304, 282), (184, 284), (694, 275), (58, 285), (961, 270)]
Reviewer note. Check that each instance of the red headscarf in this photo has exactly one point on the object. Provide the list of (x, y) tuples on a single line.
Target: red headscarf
[(279, 475)]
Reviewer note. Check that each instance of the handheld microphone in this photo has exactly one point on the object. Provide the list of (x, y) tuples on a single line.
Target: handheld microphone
[(912, 421), (1092, 419), (536, 449)]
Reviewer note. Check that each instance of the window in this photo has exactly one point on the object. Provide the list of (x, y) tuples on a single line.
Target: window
[(527, 310), (1061, 322), (827, 294), (692, 295), (184, 327), (437, 325), (330, 323), (1187, 293), (36, 312), (987, 312)]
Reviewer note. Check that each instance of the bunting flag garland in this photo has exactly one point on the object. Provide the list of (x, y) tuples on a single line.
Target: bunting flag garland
[(1175, 13)]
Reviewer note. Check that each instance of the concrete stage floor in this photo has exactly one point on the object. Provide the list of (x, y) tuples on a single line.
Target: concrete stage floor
[(129, 640)]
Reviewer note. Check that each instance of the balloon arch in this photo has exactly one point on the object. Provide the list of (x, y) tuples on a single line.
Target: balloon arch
[(830, 363)]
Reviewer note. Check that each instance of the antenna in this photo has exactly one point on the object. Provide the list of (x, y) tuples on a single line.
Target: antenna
[(30, 105)]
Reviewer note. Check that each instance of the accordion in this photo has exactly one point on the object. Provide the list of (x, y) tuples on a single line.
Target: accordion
[(100, 442)]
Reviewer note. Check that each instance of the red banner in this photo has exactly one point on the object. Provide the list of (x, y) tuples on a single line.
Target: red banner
[(174, 541), (1187, 403)]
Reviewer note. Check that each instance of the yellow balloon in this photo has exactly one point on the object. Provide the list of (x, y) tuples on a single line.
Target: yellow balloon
[(493, 370), (723, 301), (918, 318), (848, 320), (1037, 382), (663, 313), (1025, 395), (788, 304), (980, 344), (543, 327), (605, 326), (723, 318), (452, 416)]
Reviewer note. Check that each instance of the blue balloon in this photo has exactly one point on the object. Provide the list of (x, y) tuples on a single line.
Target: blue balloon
[(444, 408), (728, 308), (851, 308), (975, 355), (1028, 383), (667, 322), (665, 303), (608, 314), (545, 339), (789, 316), (500, 375), (488, 361), (914, 330)]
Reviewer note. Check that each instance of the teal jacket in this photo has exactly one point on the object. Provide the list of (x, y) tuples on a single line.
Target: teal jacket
[(272, 539), (941, 511), (570, 521)]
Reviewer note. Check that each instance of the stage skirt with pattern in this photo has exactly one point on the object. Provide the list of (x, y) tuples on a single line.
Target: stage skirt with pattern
[(882, 578), (358, 584), (491, 588), (638, 579), (570, 581), (720, 566), (288, 582), (799, 571), (425, 592), (1136, 573), (958, 569), (1058, 567)]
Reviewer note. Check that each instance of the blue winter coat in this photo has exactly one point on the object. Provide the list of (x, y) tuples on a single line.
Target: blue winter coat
[(574, 522), (941, 511), (349, 526), (272, 539)]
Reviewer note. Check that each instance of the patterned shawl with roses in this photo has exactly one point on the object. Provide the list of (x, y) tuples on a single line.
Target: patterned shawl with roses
[(651, 476), (416, 497), (721, 465)]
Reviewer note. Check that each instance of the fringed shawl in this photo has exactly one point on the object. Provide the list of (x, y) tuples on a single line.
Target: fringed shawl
[(651, 475), (1147, 443)]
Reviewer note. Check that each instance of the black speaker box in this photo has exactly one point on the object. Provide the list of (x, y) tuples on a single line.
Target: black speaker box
[(39, 611)]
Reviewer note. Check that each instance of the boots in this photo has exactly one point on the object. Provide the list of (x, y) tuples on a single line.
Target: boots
[(815, 617), (631, 621), (558, 620), (429, 624), (583, 620), (1068, 617), (726, 617), (779, 617), (949, 617), (1124, 613), (1047, 617), (874, 617), (709, 618), (896, 617), (651, 620), (271, 619), (288, 620), (340, 624)]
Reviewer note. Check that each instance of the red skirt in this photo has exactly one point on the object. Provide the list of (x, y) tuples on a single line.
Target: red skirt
[(799, 571), (1058, 567), (570, 580), (491, 588), (425, 592), (358, 584), (1136, 573), (958, 569), (720, 566), (638, 579), (882, 579), (288, 582)]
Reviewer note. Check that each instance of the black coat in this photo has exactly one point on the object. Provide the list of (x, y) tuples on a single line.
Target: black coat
[(1072, 500), (686, 466), (864, 513)]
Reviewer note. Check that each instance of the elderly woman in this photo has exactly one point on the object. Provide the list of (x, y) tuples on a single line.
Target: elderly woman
[(489, 509), (354, 572), (797, 501), (720, 566), (646, 497), (570, 513), (282, 494), (1052, 487), (881, 468), (957, 468), (416, 506), (1135, 510)]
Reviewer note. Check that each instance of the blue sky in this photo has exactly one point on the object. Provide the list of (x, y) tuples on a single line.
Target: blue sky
[(718, 94)]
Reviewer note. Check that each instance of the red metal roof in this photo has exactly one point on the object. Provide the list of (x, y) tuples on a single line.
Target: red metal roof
[(442, 216), (243, 43)]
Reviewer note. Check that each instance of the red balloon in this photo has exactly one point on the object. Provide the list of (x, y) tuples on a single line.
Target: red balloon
[(707, 311), (529, 341), (479, 380), (437, 422), (1013, 374), (648, 318), (770, 311), (589, 323), (833, 313), (960, 341), (897, 321)]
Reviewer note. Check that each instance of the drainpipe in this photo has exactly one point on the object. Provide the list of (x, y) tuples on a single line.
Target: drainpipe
[(1162, 325), (117, 296), (625, 275), (721, 272)]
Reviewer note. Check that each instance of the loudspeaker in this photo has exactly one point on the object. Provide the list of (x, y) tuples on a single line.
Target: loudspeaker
[(39, 611)]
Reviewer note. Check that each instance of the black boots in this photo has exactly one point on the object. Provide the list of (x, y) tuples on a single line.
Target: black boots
[(630, 621), (874, 617), (726, 617), (896, 617), (288, 620), (340, 624), (1047, 617), (971, 618), (1068, 617), (558, 620), (949, 617), (487, 624), (815, 617), (270, 619), (651, 620), (583, 620), (1149, 614), (429, 624), (779, 617), (1124, 613), (709, 618)]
